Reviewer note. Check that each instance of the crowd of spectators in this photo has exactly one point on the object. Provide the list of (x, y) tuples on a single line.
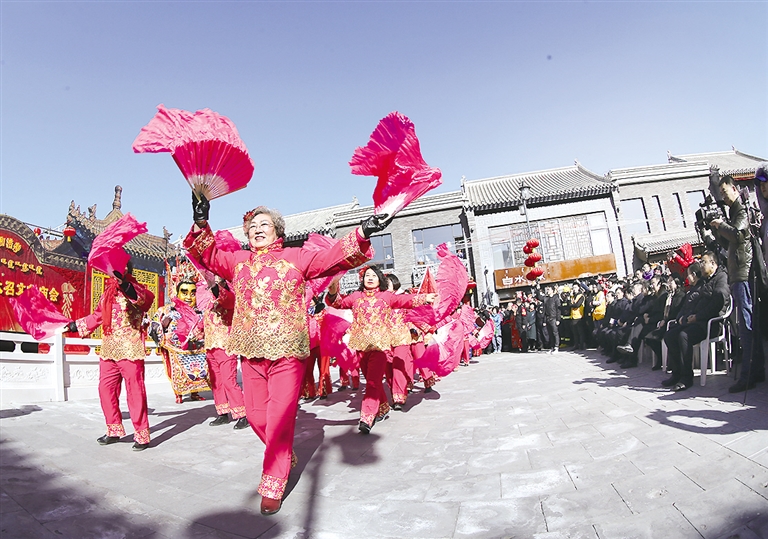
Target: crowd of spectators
[(670, 301)]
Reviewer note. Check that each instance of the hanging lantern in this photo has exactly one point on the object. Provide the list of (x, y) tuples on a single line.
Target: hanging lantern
[(38, 231), (532, 259), (533, 243), (68, 232), (534, 274), (527, 249)]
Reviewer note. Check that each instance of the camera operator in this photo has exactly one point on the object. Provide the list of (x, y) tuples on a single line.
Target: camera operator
[(733, 235)]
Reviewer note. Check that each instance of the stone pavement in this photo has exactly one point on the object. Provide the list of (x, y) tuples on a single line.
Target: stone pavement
[(514, 446)]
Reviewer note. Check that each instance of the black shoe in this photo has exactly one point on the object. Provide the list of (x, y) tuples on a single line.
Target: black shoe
[(656, 368), (680, 387), (428, 389), (613, 359), (740, 386), (669, 382), (106, 440), (242, 423), (364, 427), (397, 406), (139, 447), (342, 388), (223, 419)]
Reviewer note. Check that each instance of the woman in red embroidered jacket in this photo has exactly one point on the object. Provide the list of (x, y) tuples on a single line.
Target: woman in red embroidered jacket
[(400, 367), (371, 334), (269, 325), (120, 315)]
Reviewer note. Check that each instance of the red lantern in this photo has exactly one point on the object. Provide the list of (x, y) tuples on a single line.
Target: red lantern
[(526, 249), (38, 231), (69, 232), (532, 259), (534, 274), (533, 243)]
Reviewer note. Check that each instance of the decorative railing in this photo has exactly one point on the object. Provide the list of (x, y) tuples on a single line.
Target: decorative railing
[(58, 375)]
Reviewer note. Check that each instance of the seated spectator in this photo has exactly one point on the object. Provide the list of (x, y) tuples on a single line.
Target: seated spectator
[(691, 325), (674, 301), (652, 311)]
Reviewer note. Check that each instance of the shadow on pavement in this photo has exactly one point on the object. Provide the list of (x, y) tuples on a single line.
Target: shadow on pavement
[(179, 422), (17, 412), (37, 503)]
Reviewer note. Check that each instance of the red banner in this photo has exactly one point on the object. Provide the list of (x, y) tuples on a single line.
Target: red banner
[(20, 269)]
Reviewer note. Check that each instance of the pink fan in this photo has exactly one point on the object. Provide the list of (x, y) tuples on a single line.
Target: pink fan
[(484, 337), (394, 157), (451, 283), (333, 342), (443, 354), (318, 242), (205, 146), (36, 314), (107, 254)]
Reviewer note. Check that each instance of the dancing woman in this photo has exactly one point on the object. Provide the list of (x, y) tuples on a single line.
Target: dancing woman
[(371, 334), (269, 325)]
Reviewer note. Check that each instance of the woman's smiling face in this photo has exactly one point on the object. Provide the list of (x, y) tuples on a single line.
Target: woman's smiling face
[(370, 279), (261, 231)]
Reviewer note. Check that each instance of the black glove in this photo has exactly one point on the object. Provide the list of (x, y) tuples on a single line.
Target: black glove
[(129, 290), (200, 209), (72, 327), (215, 290), (375, 223)]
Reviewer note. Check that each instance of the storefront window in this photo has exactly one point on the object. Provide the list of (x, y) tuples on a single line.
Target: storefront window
[(426, 240)]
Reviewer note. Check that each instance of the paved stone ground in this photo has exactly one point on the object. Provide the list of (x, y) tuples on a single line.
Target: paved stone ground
[(515, 446)]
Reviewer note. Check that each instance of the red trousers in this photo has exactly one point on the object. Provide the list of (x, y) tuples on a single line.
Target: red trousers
[(324, 365), (271, 390), (427, 376), (375, 396), (401, 372), (111, 376), (222, 374), (351, 378)]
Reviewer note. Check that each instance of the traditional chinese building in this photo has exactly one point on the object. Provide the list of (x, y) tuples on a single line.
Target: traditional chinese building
[(56, 261)]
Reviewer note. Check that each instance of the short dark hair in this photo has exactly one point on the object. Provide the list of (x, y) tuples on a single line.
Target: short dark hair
[(711, 255), (394, 280), (726, 180), (695, 268), (379, 274)]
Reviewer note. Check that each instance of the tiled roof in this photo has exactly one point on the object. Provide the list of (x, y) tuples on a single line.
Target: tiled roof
[(652, 244), (143, 245), (552, 185), (424, 204), (658, 173), (731, 162)]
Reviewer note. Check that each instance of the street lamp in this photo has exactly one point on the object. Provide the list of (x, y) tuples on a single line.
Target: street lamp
[(525, 195)]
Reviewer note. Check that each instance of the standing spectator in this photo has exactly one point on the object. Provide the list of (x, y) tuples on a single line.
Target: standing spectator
[(733, 235), (497, 320)]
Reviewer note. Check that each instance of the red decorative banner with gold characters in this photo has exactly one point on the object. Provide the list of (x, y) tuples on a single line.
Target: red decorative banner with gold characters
[(20, 269)]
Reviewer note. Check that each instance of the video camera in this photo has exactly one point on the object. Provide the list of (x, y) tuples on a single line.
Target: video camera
[(708, 211)]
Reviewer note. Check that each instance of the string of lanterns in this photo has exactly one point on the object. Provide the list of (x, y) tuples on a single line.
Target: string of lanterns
[(533, 259)]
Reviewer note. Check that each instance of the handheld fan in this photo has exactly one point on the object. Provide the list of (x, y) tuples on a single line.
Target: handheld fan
[(107, 254), (36, 314), (394, 157), (205, 146)]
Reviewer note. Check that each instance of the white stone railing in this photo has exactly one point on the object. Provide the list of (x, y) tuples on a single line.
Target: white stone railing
[(28, 377)]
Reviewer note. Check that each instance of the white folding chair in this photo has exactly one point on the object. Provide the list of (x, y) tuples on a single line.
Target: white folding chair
[(708, 346), (664, 349)]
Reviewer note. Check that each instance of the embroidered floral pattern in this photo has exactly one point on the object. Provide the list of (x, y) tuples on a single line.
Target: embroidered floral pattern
[(399, 398), (216, 332), (368, 419), (115, 430), (141, 436), (237, 412), (125, 341), (203, 241), (272, 487), (270, 319), (401, 333), (222, 409), (429, 382), (383, 410)]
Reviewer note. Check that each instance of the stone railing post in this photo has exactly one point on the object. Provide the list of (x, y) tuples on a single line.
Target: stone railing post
[(57, 348)]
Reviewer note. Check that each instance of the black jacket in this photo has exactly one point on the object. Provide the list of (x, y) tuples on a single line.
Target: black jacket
[(715, 297), (734, 236)]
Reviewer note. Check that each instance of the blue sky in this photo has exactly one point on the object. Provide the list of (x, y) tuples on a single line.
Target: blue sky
[(494, 88)]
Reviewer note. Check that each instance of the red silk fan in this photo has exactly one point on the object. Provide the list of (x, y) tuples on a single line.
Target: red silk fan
[(393, 155), (205, 146)]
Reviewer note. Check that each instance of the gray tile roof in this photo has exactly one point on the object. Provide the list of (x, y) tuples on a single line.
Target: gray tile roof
[(652, 244), (424, 204), (552, 185), (731, 162), (659, 173)]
